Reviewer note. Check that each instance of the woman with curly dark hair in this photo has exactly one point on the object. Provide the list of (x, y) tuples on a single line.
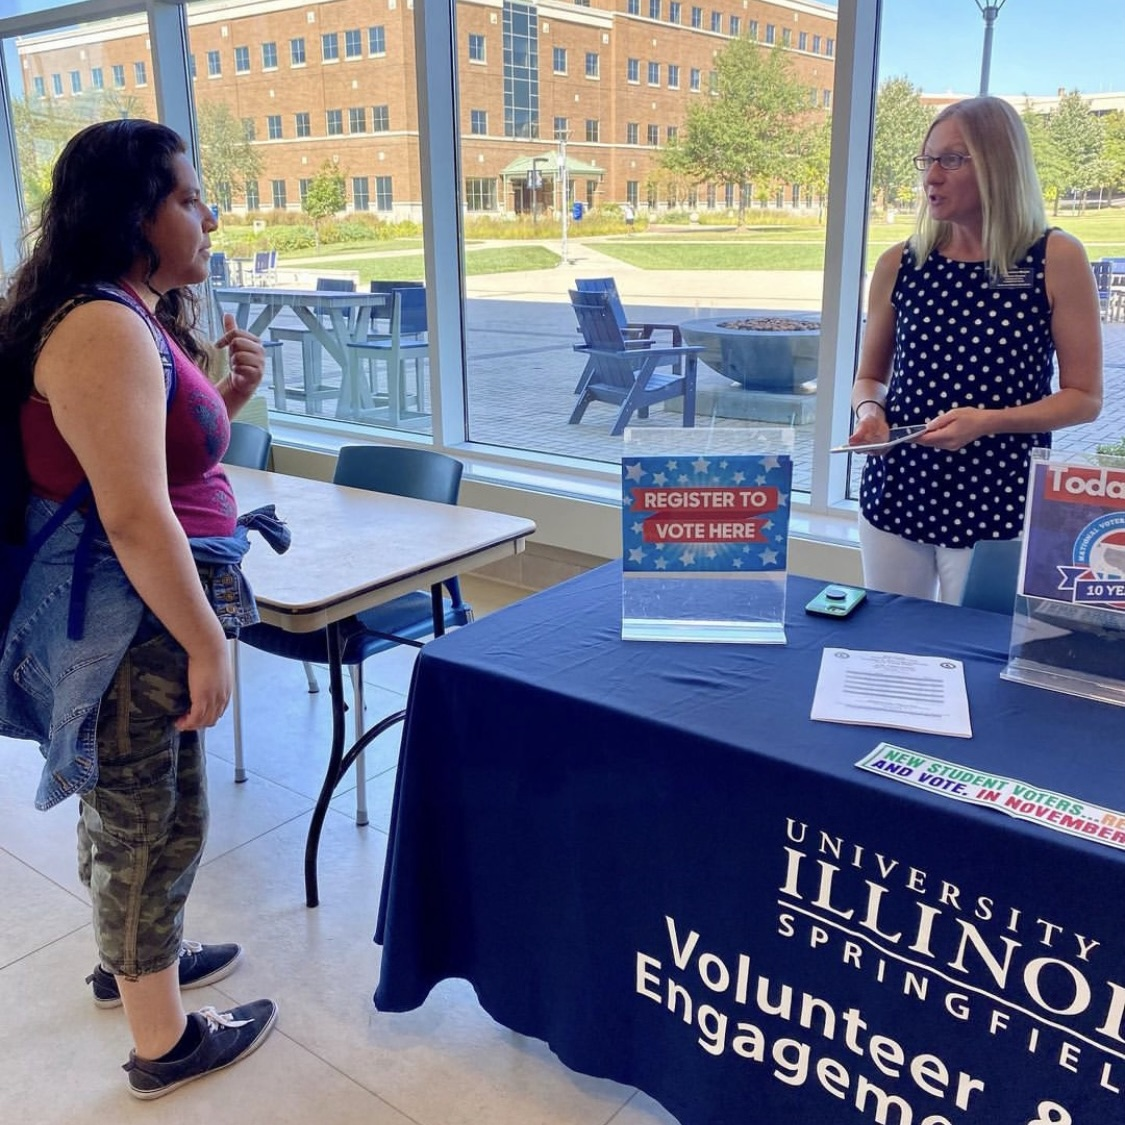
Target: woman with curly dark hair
[(116, 656)]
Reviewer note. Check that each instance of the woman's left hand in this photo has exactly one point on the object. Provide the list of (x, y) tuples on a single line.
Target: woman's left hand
[(246, 357), (956, 428)]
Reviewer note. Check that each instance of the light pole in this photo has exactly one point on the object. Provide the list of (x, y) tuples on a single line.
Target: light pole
[(535, 183), (564, 177), (990, 12)]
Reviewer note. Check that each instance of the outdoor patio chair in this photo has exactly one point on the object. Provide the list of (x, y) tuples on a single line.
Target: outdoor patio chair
[(422, 474), (627, 375), (219, 269), (1103, 277), (404, 341), (637, 334), (264, 269)]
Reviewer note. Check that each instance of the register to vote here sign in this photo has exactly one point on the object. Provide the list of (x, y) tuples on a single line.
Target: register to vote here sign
[(706, 514)]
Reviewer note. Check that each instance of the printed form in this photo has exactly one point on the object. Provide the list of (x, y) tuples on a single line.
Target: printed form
[(892, 689)]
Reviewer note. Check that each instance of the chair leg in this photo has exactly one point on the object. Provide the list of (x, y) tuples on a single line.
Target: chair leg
[(310, 675), (689, 390), (360, 765), (236, 713)]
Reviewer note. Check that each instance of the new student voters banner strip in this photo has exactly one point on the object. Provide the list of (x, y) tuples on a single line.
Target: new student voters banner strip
[(1005, 794)]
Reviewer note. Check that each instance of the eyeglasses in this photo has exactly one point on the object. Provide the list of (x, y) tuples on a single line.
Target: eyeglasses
[(949, 161)]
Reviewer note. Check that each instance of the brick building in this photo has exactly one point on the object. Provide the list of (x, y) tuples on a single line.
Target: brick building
[(336, 82)]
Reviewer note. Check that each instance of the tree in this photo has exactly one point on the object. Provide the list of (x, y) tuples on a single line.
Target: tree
[(750, 131), (1113, 150), (1049, 161), (325, 197), (901, 121), (225, 152), (1077, 134)]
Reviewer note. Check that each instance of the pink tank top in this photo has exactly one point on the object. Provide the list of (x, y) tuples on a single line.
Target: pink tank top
[(196, 437)]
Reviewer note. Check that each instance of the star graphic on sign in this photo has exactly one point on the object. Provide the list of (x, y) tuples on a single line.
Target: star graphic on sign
[(672, 466), (634, 471), (683, 478), (711, 553), (782, 499), (636, 555), (659, 479), (661, 564), (738, 477), (688, 558), (761, 479), (768, 525), (769, 557), (736, 563), (770, 462), (627, 499), (638, 527), (723, 465), (701, 466)]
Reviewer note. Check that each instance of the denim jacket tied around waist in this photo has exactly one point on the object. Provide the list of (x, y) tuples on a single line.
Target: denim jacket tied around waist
[(51, 684)]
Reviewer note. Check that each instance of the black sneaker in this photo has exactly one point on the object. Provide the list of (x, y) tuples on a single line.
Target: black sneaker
[(199, 965), (226, 1037)]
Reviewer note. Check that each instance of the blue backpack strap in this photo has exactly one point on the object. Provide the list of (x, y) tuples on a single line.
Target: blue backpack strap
[(79, 587)]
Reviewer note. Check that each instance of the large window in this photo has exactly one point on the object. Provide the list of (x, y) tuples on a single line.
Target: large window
[(798, 246)]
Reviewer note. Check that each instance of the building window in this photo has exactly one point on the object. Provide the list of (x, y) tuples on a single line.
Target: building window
[(273, 126), (814, 96), (633, 7), (97, 78), (696, 17), (717, 21), (361, 193), (279, 200), (118, 77), (191, 64), (632, 192), (75, 82), (735, 26), (269, 56), (253, 199), (476, 48), (562, 129), (672, 132), (242, 60), (297, 52), (826, 101), (632, 70), (377, 40), (384, 194), (654, 135), (654, 9), (353, 44), (335, 122), (478, 122), (673, 77), (480, 195), (674, 9), (140, 73), (830, 47), (632, 133), (56, 85), (214, 64), (38, 87), (752, 30), (357, 119), (380, 118), (654, 74), (224, 196), (521, 69), (248, 130), (303, 190), (695, 77), (330, 47), (558, 55), (803, 41), (591, 64), (786, 37), (592, 130), (302, 125), (816, 44)]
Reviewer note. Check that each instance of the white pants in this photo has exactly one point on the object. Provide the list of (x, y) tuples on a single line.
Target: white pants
[(920, 570)]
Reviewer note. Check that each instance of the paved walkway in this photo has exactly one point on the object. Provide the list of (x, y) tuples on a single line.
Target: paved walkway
[(522, 369)]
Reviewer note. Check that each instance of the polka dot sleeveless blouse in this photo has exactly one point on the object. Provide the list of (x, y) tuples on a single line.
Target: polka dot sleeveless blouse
[(961, 339)]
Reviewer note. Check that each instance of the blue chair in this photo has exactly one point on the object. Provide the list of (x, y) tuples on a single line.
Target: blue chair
[(1103, 277), (637, 334), (993, 574), (249, 446), (401, 471), (219, 269), (405, 340), (626, 375)]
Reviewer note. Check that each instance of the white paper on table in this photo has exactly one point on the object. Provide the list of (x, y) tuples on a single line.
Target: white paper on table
[(892, 689)]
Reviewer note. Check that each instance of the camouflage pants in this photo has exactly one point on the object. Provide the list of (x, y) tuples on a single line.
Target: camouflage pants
[(142, 828)]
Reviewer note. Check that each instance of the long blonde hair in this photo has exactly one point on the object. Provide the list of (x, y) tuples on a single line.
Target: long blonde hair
[(1012, 210)]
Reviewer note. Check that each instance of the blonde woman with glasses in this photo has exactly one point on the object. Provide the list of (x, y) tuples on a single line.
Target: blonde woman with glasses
[(965, 321)]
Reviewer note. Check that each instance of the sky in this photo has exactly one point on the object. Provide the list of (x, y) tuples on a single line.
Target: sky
[(1037, 45)]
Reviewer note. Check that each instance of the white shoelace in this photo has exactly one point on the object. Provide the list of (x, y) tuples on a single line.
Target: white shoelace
[(187, 946), (216, 1019)]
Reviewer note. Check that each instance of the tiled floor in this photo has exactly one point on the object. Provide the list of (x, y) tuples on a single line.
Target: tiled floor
[(332, 1057)]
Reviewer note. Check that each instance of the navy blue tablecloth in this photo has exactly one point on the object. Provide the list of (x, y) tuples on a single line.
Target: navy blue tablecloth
[(650, 857)]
